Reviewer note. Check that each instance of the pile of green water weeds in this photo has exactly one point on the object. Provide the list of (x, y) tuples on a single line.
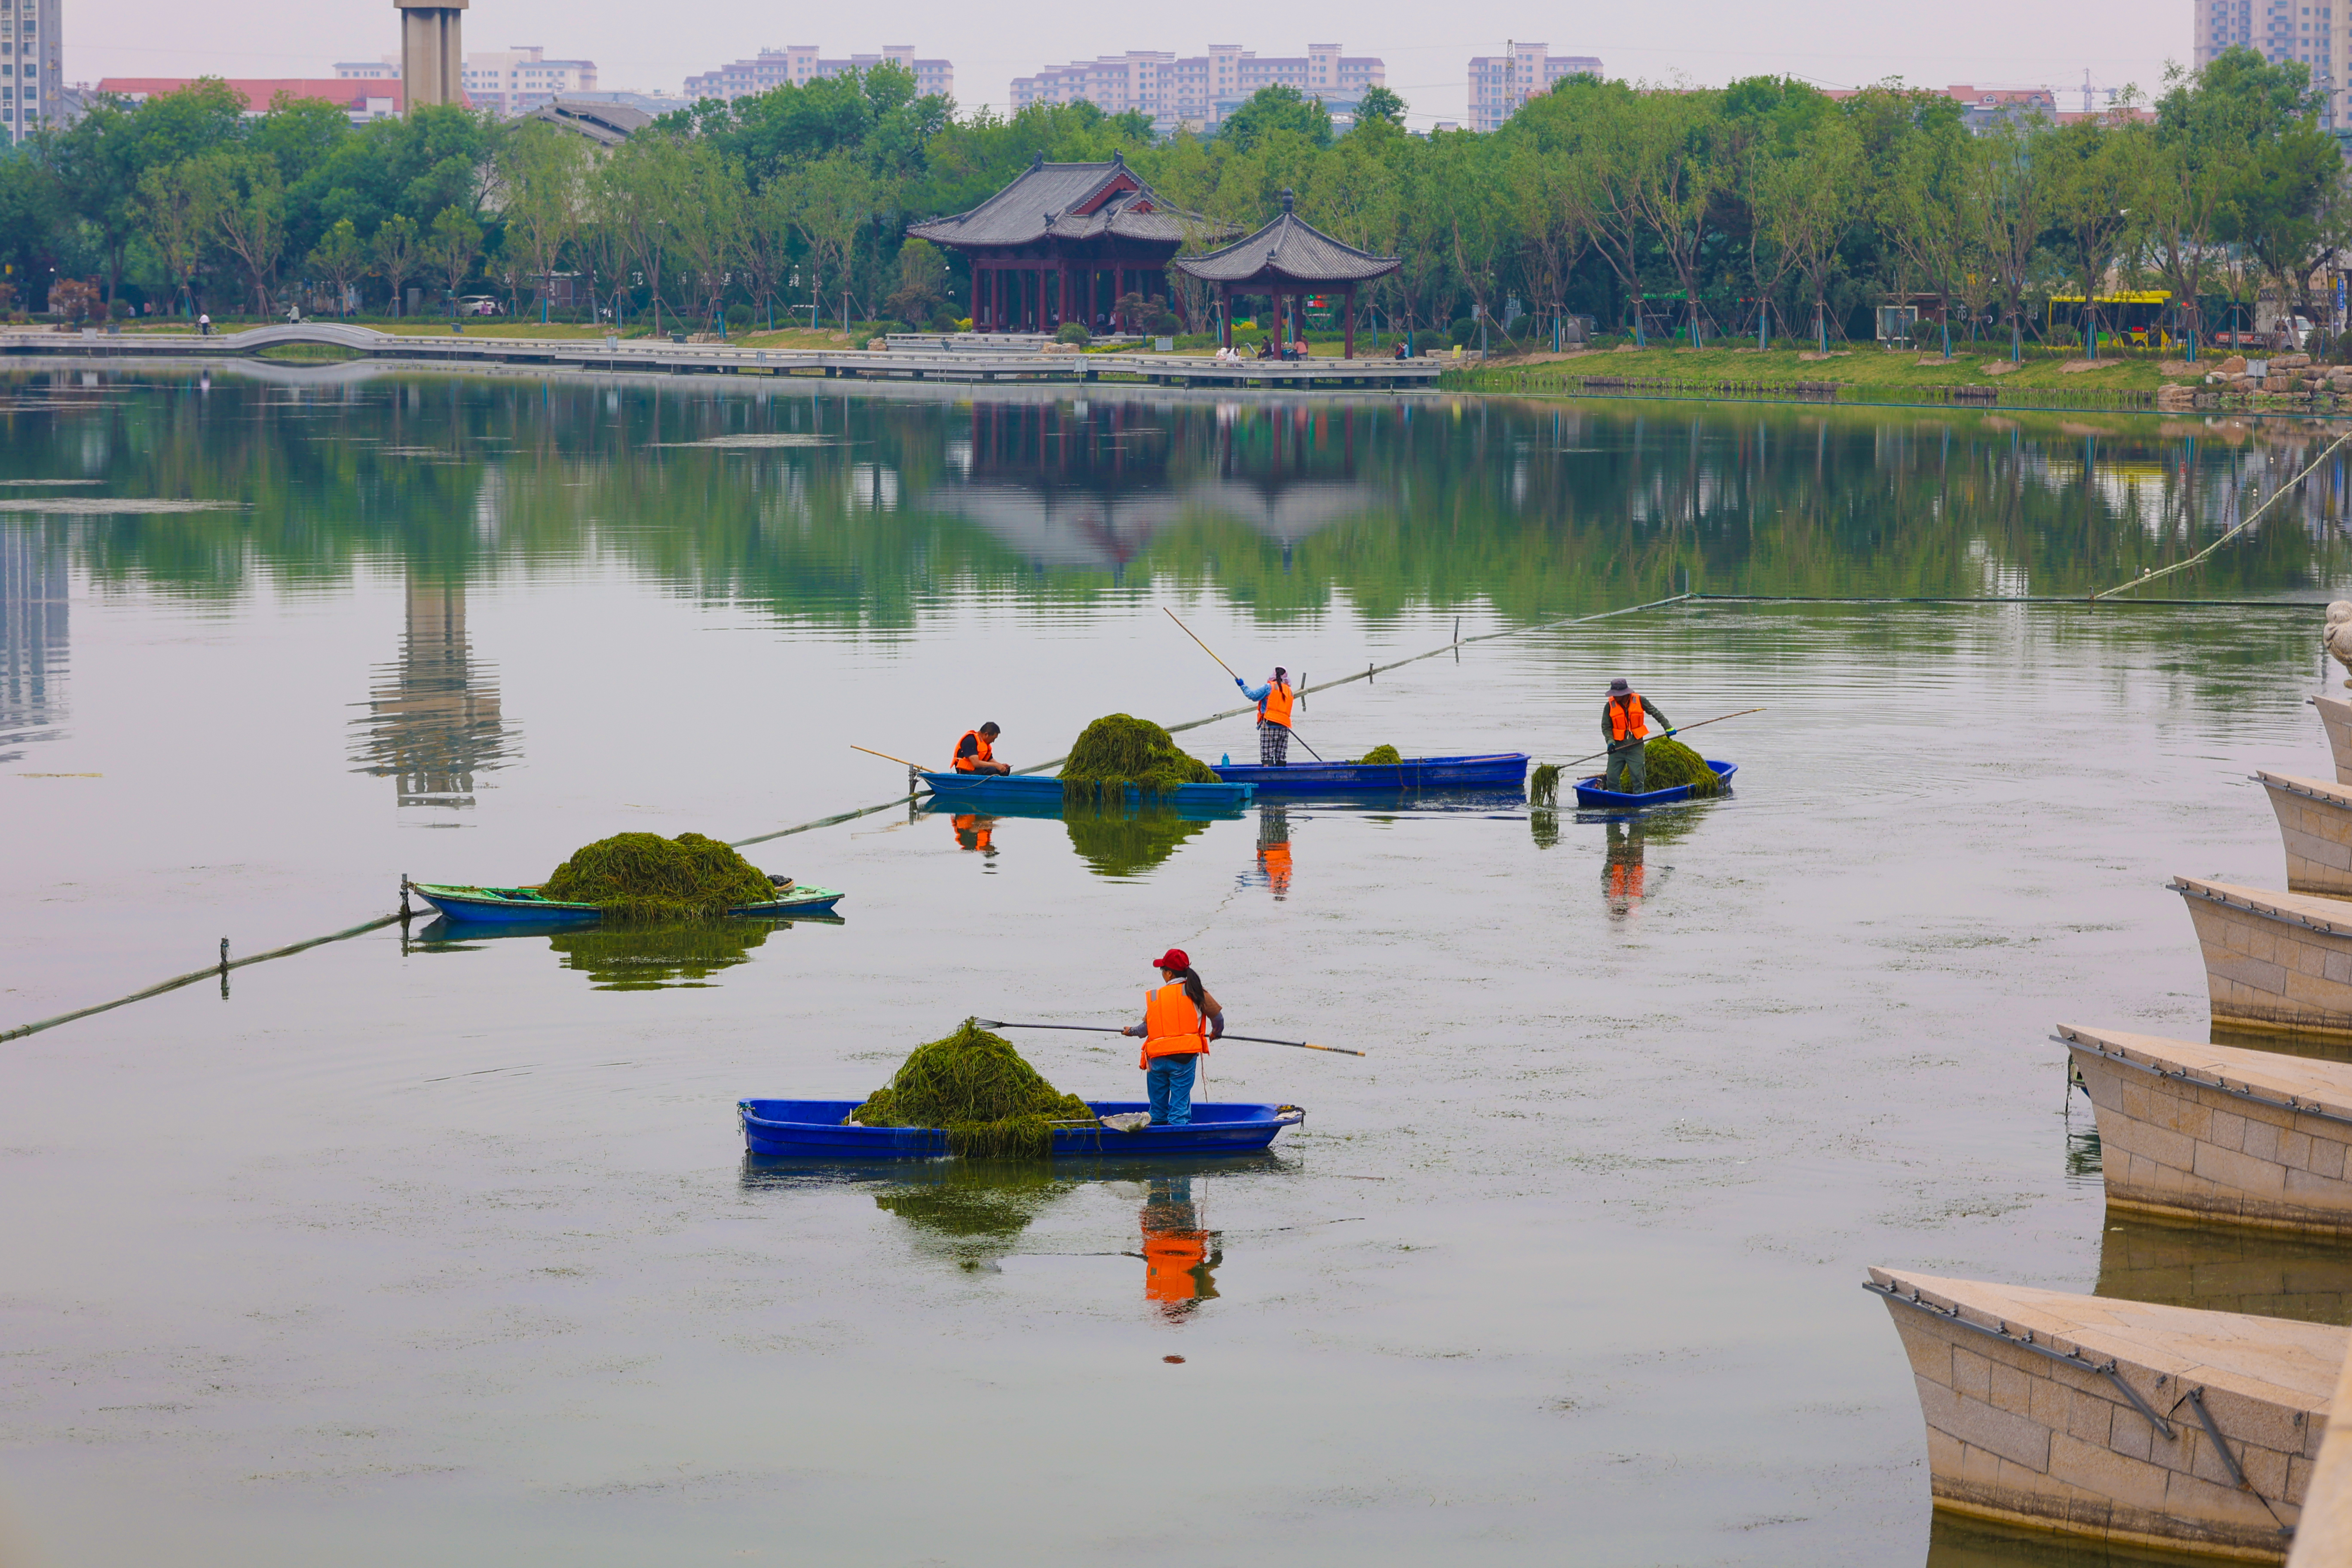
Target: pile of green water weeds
[(975, 1086), (1118, 750), (1669, 764), (642, 875), (1381, 754)]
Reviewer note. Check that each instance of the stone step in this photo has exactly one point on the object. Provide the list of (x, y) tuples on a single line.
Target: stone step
[(2099, 1417), (2273, 960), (2218, 1132)]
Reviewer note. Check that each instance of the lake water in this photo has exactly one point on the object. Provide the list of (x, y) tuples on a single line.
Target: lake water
[(420, 1247)]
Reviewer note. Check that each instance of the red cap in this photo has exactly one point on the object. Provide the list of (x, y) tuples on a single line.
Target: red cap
[(1174, 958)]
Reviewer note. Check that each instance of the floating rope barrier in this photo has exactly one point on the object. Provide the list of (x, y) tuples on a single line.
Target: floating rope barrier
[(2244, 523), (220, 970)]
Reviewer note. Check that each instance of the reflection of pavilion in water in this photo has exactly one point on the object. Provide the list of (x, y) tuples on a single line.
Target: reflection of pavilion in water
[(1068, 485), (32, 634), (433, 717)]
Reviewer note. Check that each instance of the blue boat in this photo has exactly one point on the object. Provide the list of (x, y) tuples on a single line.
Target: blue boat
[(821, 1130), (1590, 796), (988, 791), (1486, 771), (528, 906)]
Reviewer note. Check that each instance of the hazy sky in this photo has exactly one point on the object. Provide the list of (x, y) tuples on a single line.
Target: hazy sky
[(1841, 43)]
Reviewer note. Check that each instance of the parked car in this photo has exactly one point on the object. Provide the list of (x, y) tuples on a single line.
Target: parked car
[(478, 305)]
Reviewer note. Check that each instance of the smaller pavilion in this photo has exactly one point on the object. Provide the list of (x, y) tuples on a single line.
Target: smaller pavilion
[(1289, 258)]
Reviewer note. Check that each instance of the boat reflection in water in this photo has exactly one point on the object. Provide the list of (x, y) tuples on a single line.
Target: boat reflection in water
[(1121, 842), (673, 954)]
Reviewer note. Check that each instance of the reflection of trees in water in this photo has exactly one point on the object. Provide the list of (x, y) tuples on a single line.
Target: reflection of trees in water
[(33, 606), (651, 957), (433, 718), (1281, 502), (972, 1211), (1115, 843)]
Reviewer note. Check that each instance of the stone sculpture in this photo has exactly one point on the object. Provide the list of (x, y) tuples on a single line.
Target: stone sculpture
[(2337, 633)]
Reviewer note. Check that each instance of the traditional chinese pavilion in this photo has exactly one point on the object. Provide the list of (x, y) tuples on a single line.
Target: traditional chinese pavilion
[(1289, 259), (1065, 242)]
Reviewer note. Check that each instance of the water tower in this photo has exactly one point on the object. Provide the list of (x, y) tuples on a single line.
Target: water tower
[(432, 53)]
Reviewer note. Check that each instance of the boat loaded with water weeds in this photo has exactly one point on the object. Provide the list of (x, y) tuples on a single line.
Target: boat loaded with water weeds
[(637, 877), (971, 1095)]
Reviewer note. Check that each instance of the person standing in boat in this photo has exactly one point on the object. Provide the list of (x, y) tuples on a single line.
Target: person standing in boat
[(1180, 1019), (1274, 700), (1623, 726), (976, 752)]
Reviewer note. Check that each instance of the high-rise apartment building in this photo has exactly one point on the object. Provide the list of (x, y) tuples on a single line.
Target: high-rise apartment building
[(2320, 35), (1499, 84), (31, 75), (798, 65), (1198, 91)]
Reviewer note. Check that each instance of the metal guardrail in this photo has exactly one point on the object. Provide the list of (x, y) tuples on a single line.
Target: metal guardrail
[(645, 353)]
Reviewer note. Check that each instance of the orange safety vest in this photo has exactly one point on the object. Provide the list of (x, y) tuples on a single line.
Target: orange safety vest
[(1626, 717), (963, 765), (1172, 1026), (1274, 860), (1274, 707), (1170, 1263), (973, 831)]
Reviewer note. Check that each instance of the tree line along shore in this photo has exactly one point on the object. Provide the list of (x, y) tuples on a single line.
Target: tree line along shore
[(1764, 215)]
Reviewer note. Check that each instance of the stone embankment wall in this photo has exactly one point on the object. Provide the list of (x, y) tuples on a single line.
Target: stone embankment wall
[(2219, 1133), (2336, 717), (2315, 820), (2273, 961), (2081, 1414)]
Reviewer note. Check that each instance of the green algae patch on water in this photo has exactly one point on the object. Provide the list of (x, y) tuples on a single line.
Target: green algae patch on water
[(1671, 765), (1543, 784), (642, 875), (1385, 755), (1118, 750), (973, 1084)]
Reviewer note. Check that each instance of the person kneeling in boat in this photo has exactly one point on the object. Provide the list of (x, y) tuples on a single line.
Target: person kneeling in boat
[(976, 752), (1180, 1019), (1274, 700), (1623, 726)]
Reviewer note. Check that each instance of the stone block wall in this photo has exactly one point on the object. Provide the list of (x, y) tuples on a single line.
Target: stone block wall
[(2315, 822), (2174, 1143), (2272, 960), (2336, 717), (2013, 1434)]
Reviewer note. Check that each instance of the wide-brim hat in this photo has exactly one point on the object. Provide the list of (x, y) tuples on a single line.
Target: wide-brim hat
[(1618, 687)]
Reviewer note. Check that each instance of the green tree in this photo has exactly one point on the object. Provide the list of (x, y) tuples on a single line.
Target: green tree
[(396, 254), (833, 200), (247, 201), (543, 169), (923, 283), (1379, 106), (341, 259), (175, 214), (1276, 107), (452, 248)]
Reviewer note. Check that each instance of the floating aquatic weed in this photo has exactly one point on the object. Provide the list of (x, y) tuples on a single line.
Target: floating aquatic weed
[(1119, 749), (1543, 784), (1670, 763), (1381, 754), (642, 875), (975, 1086)]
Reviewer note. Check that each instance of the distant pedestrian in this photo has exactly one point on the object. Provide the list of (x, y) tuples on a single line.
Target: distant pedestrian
[(204, 325)]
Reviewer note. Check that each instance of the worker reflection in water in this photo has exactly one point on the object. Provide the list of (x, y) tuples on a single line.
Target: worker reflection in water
[(976, 832), (976, 752), (1274, 700), (1274, 849), (1621, 725), (1622, 874), (1180, 1019), (1178, 1255)]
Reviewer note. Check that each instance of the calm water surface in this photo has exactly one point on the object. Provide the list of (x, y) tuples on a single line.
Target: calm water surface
[(440, 1249)]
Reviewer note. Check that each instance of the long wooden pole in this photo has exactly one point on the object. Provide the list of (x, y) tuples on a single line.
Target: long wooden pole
[(1228, 669), (889, 758), (1700, 725), (1099, 1029)]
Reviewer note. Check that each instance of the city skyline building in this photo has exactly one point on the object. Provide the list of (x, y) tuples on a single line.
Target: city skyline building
[(1196, 92), (1499, 84), (362, 101), (511, 82), (2319, 35), (797, 65), (32, 70)]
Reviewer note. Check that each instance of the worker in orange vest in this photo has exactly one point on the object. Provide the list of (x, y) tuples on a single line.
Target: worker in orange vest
[(1621, 725), (976, 752), (1274, 700), (1180, 1019)]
